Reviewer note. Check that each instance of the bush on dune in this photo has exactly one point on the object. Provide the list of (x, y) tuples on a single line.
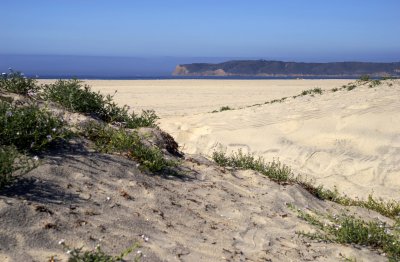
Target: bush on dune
[(16, 82), (75, 96)]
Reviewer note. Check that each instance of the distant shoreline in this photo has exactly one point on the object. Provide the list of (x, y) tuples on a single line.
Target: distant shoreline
[(85, 77)]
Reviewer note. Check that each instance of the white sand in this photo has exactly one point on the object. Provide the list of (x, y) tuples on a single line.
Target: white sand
[(347, 139)]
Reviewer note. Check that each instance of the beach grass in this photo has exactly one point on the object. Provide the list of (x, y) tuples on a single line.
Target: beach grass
[(351, 229), (281, 173)]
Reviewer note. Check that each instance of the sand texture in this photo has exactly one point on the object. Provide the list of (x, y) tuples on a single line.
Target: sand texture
[(347, 138), (211, 214)]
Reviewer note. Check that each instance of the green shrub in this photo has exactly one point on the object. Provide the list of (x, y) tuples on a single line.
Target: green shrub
[(71, 95), (365, 78), (316, 90), (274, 170), (7, 159), (16, 82), (351, 87), (282, 174), (225, 108), (12, 161), (75, 96), (346, 229), (375, 83), (28, 127), (111, 140)]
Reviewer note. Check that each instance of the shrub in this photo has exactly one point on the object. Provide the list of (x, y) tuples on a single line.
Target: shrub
[(28, 127), (12, 161), (225, 108), (110, 140), (365, 78), (75, 96), (316, 90), (71, 95), (274, 170), (7, 159), (347, 229), (16, 82), (351, 87), (375, 83), (281, 173)]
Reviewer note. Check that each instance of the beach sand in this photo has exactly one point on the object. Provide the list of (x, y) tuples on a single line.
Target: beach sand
[(345, 139), (348, 138)]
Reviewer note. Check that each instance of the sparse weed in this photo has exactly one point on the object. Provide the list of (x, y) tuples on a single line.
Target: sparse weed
[(335, 89), (365, 78), (375, 83), (16, 82), (97, 255), (347, 229), (313, 91), (282, 174), (350, 87), (275, 170)]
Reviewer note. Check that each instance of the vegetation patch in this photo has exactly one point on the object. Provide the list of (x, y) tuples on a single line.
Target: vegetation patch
[(77, 97), (96, 255), (348, 229), (28, 127), (11, 161), (274, 170), (223, 108), (313, 91), (118, 140), (281, 173), (16, 82)]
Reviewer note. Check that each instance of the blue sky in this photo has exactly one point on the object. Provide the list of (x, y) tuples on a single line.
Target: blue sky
[(297, 30)]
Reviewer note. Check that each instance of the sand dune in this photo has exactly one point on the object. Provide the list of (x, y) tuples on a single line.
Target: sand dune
[(188, 97), (347, 139)]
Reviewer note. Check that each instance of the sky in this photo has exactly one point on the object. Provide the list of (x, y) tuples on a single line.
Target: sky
[(289, 30)]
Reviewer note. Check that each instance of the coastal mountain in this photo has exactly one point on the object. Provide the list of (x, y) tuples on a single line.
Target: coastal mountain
[(294, 69)]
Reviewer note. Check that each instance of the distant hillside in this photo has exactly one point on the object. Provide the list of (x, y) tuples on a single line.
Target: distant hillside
[(279, 68)]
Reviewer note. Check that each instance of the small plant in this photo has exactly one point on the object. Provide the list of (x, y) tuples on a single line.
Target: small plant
[(225, 108), (111, 140), (274, 170), (365, 78), (28, 127), (97, 255), (16, 82), (351, 87), (375, 83), (75, 96), (281, 173), (12, 161), (7, 167), (346, 229), (313, 91), (335, 89)]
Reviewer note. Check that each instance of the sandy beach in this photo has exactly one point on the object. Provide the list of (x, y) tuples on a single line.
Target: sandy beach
[(348, 139), (345, 139)]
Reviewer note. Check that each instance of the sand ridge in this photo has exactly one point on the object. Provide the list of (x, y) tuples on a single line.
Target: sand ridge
[(347, 139)]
